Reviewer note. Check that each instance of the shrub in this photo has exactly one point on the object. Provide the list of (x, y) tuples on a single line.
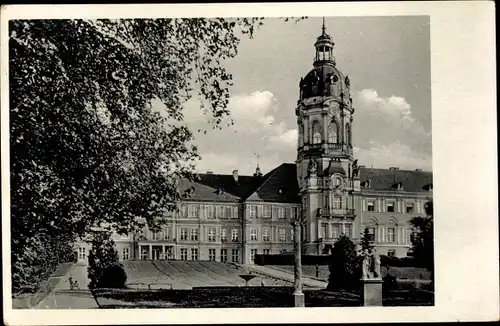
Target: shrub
[(344, 265), (102, 255), (113, 276)]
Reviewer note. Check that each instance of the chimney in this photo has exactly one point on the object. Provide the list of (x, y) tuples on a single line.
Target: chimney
[(418, 170), (209, 172), (235, 175)]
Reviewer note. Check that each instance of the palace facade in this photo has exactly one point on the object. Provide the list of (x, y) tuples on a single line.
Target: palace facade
[(233, 217)]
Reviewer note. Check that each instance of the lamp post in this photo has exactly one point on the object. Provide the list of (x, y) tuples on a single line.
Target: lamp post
[(298, 295)]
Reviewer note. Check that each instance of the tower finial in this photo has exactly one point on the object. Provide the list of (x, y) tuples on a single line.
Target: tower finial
[(323, 28)]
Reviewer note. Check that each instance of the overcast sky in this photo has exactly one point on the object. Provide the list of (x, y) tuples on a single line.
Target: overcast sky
[(388, 62)]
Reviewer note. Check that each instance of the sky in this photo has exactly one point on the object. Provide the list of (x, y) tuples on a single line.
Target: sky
[(388, 62)]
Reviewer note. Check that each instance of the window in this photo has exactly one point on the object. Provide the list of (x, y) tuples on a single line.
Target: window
[(223, 235), (295, 213), (194, 254), (332, 133), (82, 253), (194, 234), (265, 234), (336, 231), (170, 253), (253, 252), (281, 212), (223, 255), (155, 235), (337, 202), (371, 231), (371, 206), (236, 255), (267, 211), (211, 254), (348, 230), (228, 211), (292, 234), (324, 231), (282, 235), (219, 211), (211, 234), (409, 207), (184, 234), (316, 138), (390, 206), (192, 210), (184, 254), (347, 134), (144, 253), (266, 251), (326, 200), (166, 233), (235, 212), (184, 210), (253, 234), (234, 235), (409, 233), (391, 234), (209, 212), (252, 211), (126, 254), (391, 253)]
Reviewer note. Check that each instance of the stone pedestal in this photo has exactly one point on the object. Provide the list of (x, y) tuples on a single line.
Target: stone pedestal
[(371, 291), (299, 300)]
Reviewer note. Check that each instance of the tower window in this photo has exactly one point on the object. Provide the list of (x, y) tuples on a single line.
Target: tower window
[(332, 133), (317, 138)]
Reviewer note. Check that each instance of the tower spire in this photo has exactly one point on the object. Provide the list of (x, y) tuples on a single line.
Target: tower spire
[(323, 28)]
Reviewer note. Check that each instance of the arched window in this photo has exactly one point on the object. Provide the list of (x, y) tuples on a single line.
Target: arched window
[(316, 133), (332, 133), (301, 135)]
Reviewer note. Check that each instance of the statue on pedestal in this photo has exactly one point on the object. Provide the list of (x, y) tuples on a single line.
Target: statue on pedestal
[(376, 265), (366, 265), (371, 264), (312, 167)]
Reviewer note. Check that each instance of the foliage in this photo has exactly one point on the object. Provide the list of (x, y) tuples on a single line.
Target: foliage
[(96, 111), (113, 276), (423, 238), (344, 265), (102, 255)]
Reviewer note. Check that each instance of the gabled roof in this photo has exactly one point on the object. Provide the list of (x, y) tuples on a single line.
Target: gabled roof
[(221, 187), (387, 179), (280, 185)]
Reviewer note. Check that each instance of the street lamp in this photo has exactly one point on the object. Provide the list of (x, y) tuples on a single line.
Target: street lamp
[(298, 295)]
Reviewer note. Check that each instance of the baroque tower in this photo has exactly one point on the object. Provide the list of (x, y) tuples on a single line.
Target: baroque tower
[(326, 171)]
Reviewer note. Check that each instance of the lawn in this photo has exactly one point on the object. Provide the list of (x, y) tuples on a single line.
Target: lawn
[(248, 297)]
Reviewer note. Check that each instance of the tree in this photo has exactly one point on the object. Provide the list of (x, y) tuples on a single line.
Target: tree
[(423, 238), (102, 255), (87, 146), (344, 265)]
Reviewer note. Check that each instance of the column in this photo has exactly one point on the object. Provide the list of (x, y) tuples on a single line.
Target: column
[(343, 227), (150, 252), (325, 127), (297, 294), (379, 233)]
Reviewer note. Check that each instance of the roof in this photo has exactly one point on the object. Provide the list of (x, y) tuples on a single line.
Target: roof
[(279, 185), (387, 179)]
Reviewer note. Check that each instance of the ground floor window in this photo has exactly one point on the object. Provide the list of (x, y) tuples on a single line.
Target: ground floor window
[(211, 254), (266, 251), (184, 254), (253, 252), (236, 256), (126, 254), (82, 253), (194, 254), (144, 253), (223, 255), (169, 253)]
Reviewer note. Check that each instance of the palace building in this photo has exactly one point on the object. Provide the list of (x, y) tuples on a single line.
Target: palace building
[(234, 217)]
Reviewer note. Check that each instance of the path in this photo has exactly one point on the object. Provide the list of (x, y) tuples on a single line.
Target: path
[(64, 298), (287, 276)]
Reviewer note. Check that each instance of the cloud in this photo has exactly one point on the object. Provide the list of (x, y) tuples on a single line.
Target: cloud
[(256, 130), (386, 133), (392, 154)]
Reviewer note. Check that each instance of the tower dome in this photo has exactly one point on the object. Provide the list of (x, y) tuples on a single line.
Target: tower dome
[(324, 79)]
